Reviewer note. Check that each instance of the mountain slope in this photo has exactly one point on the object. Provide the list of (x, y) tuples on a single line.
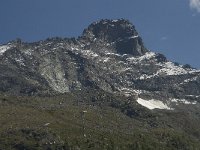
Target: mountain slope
[(92, 119)]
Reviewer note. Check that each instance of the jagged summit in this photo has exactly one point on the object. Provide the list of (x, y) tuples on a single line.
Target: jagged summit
[(120, 33), (111, 30)]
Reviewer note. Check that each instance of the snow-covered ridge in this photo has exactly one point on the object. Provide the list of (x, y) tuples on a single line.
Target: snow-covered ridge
[(169, 69), (164, 68), (146, 56), (4, 48)]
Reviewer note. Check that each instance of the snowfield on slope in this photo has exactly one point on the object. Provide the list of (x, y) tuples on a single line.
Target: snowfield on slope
[(153, 104)]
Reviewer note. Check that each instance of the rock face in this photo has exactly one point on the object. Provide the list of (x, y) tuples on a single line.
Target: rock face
[(121, 34), (110, 56)]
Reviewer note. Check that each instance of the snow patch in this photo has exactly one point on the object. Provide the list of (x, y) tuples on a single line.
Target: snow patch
[(115, 20), (115, 54), (28, 52), (124, 69), (196, 96), (133, 37), (106, 59), (153, 104), (183, 101), (146, 56), (190, 80), (89, 53), (138, 92), (170, 69), (145, 76), (20, 60), (4, 48)]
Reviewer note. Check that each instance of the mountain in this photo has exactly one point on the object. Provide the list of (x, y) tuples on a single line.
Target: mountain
[(110, 55), (107, 66)]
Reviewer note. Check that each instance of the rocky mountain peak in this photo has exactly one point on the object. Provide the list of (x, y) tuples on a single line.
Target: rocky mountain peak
[(111, 30), (98, 60), (121, 34)]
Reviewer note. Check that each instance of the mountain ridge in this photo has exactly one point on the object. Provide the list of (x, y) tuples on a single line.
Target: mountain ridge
[(110, 55)]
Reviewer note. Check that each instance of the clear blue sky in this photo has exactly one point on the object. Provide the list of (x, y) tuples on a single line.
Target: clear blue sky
[(171, 27)]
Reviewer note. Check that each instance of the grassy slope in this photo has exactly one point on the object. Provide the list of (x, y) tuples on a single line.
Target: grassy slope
[(58, 123)]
